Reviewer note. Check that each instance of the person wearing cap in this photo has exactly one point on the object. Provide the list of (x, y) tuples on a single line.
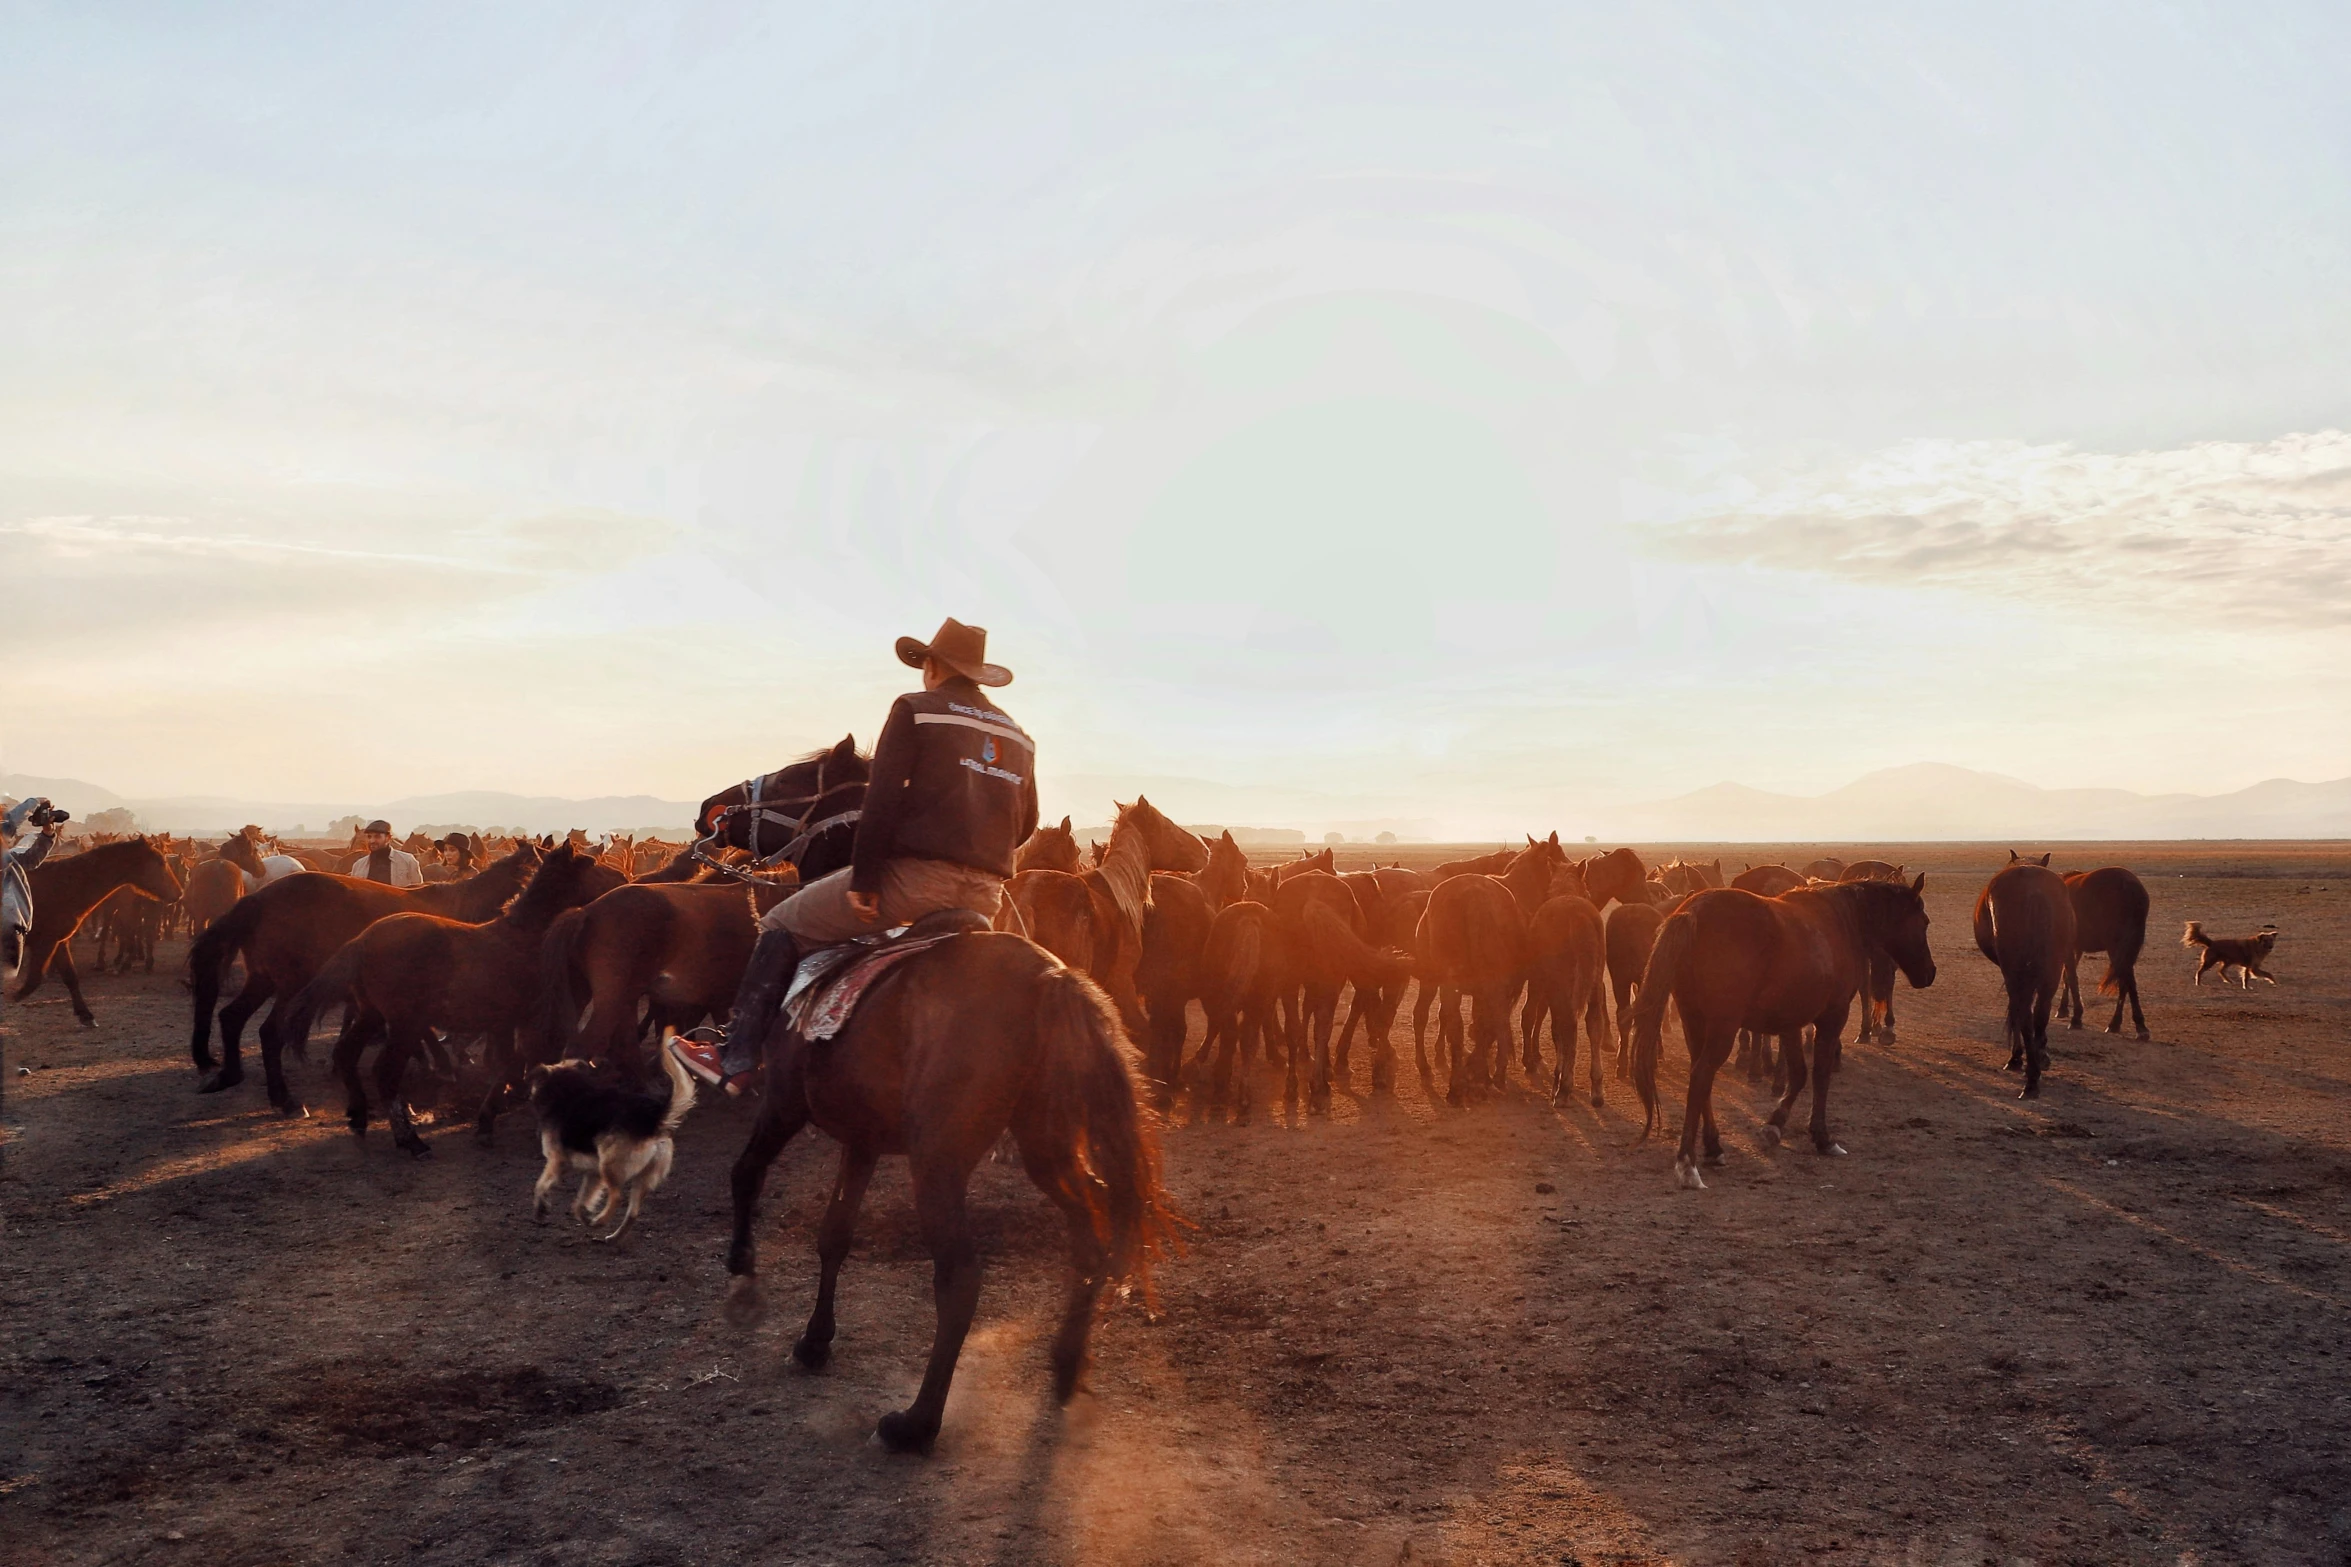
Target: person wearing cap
[(953, 794), (382, 862)]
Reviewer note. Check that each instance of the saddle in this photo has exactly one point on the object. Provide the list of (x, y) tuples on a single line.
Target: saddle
[(831, 981)]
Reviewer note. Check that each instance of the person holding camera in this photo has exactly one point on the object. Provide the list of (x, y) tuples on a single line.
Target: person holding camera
[(36, 812)]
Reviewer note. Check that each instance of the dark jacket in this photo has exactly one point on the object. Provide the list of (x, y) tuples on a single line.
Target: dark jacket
[(954, 778)]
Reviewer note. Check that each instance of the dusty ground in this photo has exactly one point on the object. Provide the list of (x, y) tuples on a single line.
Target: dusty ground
[(2106, 1327)]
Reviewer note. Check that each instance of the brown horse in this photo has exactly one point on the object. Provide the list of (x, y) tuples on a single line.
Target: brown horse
[(1617, 875), (2024, 923), (1728, 959), (764, 815), (1167, 975), (287, 931), (958, 1044), (215, 885), (1827, 868), (1094, 921), (678, 947), (1049, 849), (1225, 878), (1321, 860), (2110, 916), (407, 974), (1767, 881), (1481, 865), (1246, 977), (65, 890), (1566, 979), (1631, 934), (1472, 945), (1328, 952)]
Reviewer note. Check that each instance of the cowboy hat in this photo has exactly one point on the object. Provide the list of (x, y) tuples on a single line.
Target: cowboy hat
[(961, 648)]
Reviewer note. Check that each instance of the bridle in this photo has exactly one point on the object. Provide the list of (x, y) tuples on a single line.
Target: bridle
[(805, 829)]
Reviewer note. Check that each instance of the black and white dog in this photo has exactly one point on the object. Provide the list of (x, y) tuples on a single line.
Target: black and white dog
[(617, 1137)]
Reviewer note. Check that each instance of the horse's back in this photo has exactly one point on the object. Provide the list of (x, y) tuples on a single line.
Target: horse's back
[(950, 1029), (2110, 907), (2029, 911), (1472, 930)]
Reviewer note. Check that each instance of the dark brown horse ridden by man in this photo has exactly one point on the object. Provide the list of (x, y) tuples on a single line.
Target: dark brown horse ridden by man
[(957, 1042), (2024, 923), (1729, 959)]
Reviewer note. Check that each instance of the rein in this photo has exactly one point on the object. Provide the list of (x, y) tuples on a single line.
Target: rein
[(805, 831)]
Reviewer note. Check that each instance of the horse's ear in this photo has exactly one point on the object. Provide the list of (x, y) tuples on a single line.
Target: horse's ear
[(1065, 824), (1554, 837), (2013, 856), (1920, 886), (2045, 858), (847, 747)]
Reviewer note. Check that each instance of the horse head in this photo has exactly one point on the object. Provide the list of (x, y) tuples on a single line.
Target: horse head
[(1896, 919), (1049, 848), (152, 874), (1172, 848)]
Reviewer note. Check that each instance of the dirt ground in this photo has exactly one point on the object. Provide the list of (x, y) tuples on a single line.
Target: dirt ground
[(2108, 1326)]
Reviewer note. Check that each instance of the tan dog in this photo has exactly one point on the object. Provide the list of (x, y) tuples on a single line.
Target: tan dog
[(2243, 953)]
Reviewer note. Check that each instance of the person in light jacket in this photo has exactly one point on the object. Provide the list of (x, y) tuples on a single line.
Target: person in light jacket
[(382, 862)]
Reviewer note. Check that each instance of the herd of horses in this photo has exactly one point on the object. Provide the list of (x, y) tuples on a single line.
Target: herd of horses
[(1020, 1035)]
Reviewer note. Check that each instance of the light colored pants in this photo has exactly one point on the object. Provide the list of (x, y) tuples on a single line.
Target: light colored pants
[(819, 913)]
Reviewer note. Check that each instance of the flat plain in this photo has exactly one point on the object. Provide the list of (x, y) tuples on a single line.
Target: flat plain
[(2106, 1326)]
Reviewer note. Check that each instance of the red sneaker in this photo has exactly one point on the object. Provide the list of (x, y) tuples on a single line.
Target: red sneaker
[(700, 1053), (698, 1056)]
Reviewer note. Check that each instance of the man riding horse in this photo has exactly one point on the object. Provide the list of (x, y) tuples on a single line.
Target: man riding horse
[(953, 794)]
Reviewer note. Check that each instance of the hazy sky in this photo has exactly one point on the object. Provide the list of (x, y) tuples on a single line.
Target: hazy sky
[(1467, 413)]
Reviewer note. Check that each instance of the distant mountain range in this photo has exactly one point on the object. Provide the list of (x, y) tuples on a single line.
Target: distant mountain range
[(1932, 800), (471, 808), (1925, 802)]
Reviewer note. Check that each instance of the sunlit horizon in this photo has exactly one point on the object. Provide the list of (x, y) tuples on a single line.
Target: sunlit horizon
[(1501, 422)]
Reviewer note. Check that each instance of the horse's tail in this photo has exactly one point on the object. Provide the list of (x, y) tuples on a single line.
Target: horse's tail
[(1986, 939), (2121, 956), (681, 1087), (331, 984), (559, 1012), (1090, 1104), (208, 963), (1657, 981), (1230, 962)]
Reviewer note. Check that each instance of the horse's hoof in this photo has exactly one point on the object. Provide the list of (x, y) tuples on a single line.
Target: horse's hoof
[(1769, 1136), (86, 1020), (1885, 1036), (291, 1109), (485, 1131), (1829, 1150), (1686, 1177), (419, 1149), (1599, 1100), (213, 1082), (1712, 1159), (812, 1353), (2145, 1037), (900, 1432), (2029, 1091), (742, 1307)]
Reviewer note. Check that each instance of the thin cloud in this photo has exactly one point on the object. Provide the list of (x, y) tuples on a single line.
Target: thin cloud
[(2235, 533)]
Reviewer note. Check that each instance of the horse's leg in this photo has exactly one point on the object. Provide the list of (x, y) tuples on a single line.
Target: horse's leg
[(1826, 1053), (231, 1071), (348, 1046), (1774, 1128), (955, 1288), (498, 1061), (2036, 1059), (1595, 1030), (1530, 1037), (1452, 1046), (81, 1008), (2069, 998), (833, 1238), (1424, 994), (1057, 1175), (1382, 1023), (401, 1046), (2129, 979), (1343, 1048), (782, 1112), (1322, 1017), (1708, 1052)]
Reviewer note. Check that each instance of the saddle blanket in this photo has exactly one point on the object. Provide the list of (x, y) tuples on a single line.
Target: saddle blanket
[(832, 980)]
